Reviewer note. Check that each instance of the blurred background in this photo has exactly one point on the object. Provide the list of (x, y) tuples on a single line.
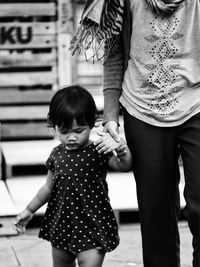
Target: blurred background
[(35, 62)]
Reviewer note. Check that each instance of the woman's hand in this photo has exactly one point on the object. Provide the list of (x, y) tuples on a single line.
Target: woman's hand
[(111, 127), (109, 138)]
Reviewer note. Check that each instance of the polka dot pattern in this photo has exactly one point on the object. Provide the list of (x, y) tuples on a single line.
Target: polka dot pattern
[(79, 215)]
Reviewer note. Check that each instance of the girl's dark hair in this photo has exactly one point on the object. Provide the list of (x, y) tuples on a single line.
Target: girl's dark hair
[(69, 104)]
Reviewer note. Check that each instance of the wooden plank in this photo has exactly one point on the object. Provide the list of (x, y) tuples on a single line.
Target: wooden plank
[(95, 91), (87, 80), (122, 190), (27, 78), (65, 17), (64, 60), (36, 41), (24, 131), (7, 230), (32, 112), (16, 58), (34, 152), (28, 152), (6, 204), (30, 187), (23, 112), (38, 28), (65, 29), (27, 9), (26, 97), (89, 69)]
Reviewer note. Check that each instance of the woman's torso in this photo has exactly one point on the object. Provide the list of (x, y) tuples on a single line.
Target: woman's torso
[(162, 82)]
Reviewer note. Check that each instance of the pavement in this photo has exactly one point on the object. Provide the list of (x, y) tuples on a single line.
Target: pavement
[(28, 250)]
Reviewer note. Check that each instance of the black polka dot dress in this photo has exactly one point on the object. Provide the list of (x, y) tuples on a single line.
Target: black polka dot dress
[(79, 215)]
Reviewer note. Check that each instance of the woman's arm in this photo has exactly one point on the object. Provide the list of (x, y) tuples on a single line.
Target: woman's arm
[(112, 83), (113, 70)]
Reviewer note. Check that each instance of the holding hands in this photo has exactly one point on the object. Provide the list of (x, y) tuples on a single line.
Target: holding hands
[(106, 144), (110, 141)]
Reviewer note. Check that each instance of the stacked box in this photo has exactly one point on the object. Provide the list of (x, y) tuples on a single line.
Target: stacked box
[(35, 61), (30, 70)]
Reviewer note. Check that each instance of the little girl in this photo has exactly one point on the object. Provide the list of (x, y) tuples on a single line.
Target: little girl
[(79, 221)]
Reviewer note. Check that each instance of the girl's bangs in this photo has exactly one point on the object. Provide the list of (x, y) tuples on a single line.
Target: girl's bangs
[(66, 123)]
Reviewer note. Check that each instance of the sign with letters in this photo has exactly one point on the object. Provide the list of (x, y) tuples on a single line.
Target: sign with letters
[(27, 35), (13, 35)]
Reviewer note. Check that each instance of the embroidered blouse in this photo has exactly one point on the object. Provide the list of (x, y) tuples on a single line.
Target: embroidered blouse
[(161, 84)]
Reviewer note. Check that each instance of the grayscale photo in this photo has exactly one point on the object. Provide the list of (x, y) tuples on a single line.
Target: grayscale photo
[(99, 133)]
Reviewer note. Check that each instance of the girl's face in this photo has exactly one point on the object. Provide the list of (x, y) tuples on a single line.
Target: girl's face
[(74, 138)]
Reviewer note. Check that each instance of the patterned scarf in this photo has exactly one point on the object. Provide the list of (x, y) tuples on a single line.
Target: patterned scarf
[(164, 7), (102, 21)]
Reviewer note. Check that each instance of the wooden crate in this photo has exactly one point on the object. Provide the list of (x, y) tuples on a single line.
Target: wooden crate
[(34, 63)]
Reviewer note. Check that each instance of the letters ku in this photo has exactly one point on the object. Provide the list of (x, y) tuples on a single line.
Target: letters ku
[(14, 35)]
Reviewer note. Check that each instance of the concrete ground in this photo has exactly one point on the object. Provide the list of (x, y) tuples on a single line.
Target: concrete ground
[(29, 251)]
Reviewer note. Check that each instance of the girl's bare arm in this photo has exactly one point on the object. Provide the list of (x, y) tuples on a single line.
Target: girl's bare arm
[(38, 201), (42, 195)]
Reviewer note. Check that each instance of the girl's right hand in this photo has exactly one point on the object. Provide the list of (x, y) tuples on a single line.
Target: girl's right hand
[(22, 220)]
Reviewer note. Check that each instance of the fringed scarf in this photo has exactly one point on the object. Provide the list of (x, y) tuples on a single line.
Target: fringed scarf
[(164, 7), (102, 21)]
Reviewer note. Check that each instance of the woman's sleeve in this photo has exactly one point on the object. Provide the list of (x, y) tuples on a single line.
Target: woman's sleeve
[(113, 70)]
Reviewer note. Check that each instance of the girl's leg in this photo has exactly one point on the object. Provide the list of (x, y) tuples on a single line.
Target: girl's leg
[(155, 166), (90, 258), (62, 258)]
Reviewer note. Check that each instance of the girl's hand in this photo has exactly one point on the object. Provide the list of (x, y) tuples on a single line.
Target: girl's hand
[(122, 149), (22, 220)]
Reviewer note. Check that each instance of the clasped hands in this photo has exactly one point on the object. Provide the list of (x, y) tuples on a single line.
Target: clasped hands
[(110, 141)]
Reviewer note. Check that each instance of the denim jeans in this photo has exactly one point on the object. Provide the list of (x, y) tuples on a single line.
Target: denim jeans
[(155, 153)]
